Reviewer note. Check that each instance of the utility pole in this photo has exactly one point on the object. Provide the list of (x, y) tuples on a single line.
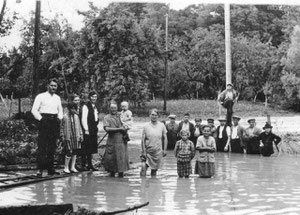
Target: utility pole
[(36, 49), (166, 63), (228, 44)]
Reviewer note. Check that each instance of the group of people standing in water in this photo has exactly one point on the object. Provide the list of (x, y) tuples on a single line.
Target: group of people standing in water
[(78, 127)]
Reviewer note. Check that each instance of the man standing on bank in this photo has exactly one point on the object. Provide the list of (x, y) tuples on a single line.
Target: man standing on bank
[(47, 109), (227, 98), (90, 122)]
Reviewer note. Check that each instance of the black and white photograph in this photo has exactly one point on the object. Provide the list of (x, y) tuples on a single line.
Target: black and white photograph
[(149, 107)]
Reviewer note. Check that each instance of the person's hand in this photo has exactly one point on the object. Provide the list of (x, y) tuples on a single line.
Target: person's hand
[(261, 144), (164, 154), (226, 148), (86, 132)]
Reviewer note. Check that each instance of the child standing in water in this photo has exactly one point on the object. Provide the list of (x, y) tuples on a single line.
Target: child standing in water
[(206, 145), (126, 119), (184, 152)]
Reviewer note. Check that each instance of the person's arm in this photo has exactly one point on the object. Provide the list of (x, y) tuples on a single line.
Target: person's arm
[(277, 139), (176, 149), (193, 152), (226, 148), (60, 109), (84, 119), (35, 108), (214, 146), (200, 147), (165, 140), (143, 143)]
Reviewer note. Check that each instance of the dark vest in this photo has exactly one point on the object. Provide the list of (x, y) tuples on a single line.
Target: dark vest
[(224, 133), (92, 124)]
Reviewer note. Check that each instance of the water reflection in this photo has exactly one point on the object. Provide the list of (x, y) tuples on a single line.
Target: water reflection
[(243, 184)]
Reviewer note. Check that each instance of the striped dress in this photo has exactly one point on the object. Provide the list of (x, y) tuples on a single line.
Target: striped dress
[(184, 152), (72, 132)]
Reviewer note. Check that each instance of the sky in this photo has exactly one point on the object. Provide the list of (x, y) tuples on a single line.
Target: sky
[(68, 8)]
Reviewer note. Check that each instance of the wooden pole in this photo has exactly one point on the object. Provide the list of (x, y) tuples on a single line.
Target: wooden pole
[(166, 63), (36, 50), (228, 44)]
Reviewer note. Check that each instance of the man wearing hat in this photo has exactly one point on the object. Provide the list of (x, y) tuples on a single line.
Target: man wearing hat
[(266, 139), (187, 126), (236, 137), (222, 135), (251, 137), (210, 123), (172, 131), (227, 99)]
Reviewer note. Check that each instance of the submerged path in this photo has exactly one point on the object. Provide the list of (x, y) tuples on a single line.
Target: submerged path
[(243, 184)]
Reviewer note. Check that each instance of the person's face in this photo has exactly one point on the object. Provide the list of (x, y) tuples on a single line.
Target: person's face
[(222, 123), (186, 119), (76, 100), (172, 120), (268, 130), (52, 87), (184, 136), (206, 132), (229, 87), (251, 124), (198, 123), (93, 99), (153, 116), (113, 109), (210, 123), (235, 121), (124, 107)]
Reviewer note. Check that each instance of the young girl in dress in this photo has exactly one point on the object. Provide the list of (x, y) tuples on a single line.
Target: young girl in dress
[(184, 152), (206, 146), (72, 136)]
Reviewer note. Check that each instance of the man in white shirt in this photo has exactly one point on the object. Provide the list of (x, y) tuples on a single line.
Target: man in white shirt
[(90, 122), (222, 135), (236, 138), (47, 109)]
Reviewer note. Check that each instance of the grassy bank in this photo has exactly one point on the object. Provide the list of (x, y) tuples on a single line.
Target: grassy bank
[(209, 108)]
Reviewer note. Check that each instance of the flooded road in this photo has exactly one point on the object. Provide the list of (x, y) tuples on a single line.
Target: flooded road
[(243, 184)]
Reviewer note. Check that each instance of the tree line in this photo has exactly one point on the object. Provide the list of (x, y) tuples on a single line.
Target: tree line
[(120, 53)]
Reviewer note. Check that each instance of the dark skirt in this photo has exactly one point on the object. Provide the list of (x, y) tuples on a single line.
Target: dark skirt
[(184, 168), (205, 169), (89, 144), (236, 146)]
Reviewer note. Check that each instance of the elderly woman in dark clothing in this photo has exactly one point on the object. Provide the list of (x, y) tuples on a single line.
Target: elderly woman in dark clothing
[(266, 139), (116, 152)]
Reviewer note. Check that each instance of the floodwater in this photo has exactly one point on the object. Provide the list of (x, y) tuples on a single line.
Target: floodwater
[(243, 184)]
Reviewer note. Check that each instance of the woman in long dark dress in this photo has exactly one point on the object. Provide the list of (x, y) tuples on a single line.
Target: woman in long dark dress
[(90, 120)]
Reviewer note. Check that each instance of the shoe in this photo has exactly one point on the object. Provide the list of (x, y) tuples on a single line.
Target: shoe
[(92, 168), (66, 171), (51, 173), (39, 173), (74, 170)]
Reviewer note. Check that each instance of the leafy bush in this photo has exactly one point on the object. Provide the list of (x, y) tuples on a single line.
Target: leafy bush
[(17, 143)]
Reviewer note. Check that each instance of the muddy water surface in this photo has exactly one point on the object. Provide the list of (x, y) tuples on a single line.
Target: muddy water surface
[(243, 184)]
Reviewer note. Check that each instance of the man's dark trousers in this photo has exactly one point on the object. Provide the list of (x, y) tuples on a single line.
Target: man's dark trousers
[(49, 131)]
